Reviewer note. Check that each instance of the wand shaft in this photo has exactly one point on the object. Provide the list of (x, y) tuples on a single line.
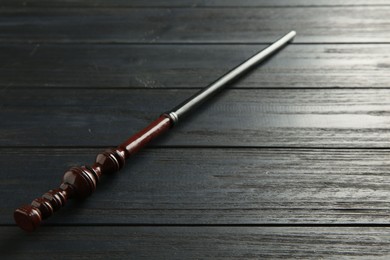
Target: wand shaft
[(198, 98), (80, 182)]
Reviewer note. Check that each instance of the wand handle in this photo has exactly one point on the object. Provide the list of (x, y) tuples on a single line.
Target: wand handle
[(80, 182)]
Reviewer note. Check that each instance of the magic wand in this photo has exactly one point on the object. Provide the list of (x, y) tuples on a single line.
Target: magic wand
[(80, 182)]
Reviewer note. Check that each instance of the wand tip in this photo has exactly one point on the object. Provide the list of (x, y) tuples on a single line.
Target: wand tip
[(292, 34)]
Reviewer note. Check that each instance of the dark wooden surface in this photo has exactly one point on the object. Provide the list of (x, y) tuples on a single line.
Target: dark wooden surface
[(332, 24), (155, 242), (292, 162), (147, 66)]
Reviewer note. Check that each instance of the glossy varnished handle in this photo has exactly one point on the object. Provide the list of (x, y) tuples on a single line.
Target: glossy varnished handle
[(80, 182)]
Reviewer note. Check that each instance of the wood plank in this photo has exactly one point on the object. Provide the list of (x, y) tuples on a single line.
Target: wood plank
[(191, 66), (210, 186), (197, 242), (188, 3), (258, 117), (195, 25)]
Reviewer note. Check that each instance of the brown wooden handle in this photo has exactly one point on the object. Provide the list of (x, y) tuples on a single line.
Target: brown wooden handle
[(80, 182), (29, 217)]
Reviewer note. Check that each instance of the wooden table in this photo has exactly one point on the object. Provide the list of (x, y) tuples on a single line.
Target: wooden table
[(292, 161)]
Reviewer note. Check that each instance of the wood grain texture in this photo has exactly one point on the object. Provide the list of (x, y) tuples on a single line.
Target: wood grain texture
[(258, 117), (211, 186), (197, 243), (358, 24), (191, 66), (279, 167), (189, 3)]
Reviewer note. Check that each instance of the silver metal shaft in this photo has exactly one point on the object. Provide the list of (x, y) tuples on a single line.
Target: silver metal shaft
[(197, 99)]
